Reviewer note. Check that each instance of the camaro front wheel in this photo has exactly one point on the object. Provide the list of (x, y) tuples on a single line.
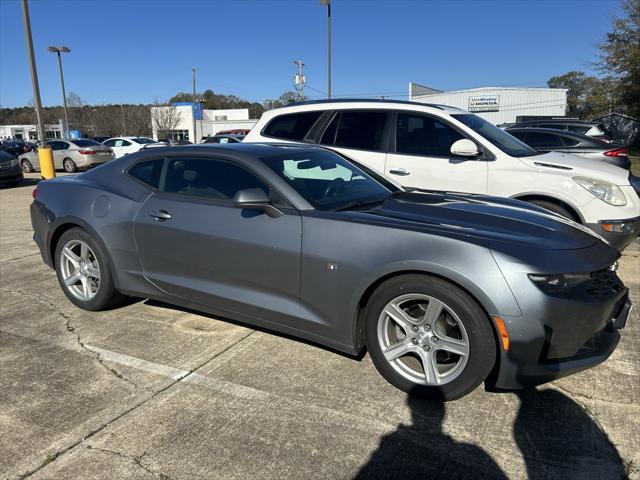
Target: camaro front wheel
[(429, 338), (84, 272)]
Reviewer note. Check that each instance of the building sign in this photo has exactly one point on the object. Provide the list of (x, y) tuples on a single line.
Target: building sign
[(484, 103)]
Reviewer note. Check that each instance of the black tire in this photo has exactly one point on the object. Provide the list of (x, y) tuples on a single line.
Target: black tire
[(555, 208), (69, 165), (106, 295), (26, 166), (481, 347)]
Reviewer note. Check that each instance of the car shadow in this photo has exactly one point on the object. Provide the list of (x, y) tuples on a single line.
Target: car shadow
[(555, 435)]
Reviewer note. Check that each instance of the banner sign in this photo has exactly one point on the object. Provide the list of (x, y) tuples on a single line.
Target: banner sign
[(484, 103)]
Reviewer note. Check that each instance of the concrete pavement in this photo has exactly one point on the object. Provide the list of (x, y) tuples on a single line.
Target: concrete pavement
[(151, 391)]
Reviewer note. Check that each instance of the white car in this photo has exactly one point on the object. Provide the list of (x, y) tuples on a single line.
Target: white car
[(122, 146), (445, 148)]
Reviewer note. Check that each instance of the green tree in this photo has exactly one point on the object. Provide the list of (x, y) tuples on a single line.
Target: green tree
[(587, 96), (620, 57)]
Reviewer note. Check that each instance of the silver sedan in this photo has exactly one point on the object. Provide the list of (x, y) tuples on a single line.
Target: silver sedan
[(69, 155)]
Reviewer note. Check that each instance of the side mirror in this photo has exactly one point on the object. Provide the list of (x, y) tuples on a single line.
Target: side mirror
[(255, 199), (465, 148)]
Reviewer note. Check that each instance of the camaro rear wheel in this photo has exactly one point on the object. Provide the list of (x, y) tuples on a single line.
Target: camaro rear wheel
[(69, 165), (429, 338), (84, 272)]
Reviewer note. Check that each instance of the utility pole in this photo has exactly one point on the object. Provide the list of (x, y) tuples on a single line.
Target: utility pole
[(44, 153), (299, 79), (328, 5), (193, 70), (60, 50)]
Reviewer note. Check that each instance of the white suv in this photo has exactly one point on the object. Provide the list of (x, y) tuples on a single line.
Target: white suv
[(445, 148)]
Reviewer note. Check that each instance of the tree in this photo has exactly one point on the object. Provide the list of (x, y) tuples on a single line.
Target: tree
[(587, 96), (620, 57), (285, 99), (164, 118)]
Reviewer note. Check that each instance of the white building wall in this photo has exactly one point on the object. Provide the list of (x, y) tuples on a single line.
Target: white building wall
[(512, 102), (29, 132)]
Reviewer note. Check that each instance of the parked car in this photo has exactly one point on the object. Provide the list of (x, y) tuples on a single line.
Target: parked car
[(10, 172), (226, 138), (481, 289), (546, 140), (15, 147), (234, 131), (69, 155), (125, 145), (591, 129), (446, 148)]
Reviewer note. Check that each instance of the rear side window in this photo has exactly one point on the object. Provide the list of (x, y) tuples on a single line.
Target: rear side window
[(148, 172), (202, 177), (421, 135), (293, 126), (361, 129), (579, 128), (570, 141), (543, 140)]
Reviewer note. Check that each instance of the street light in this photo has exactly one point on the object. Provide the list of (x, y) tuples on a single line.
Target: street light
[(328, 5), (60, 50)]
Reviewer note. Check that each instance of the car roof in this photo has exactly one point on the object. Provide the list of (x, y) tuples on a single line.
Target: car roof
[(368, 102), (562, 121), (259, 150), (554, 131)]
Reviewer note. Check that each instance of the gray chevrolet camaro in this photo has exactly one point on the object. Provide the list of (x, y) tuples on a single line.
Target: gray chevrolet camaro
[(445, 290)]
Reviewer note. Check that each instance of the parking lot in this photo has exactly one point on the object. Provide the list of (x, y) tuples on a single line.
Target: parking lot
[(151, 391)]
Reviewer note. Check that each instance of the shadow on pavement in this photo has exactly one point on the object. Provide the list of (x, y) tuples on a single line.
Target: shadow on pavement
[(558, 439), (556, 436), (423, 450)]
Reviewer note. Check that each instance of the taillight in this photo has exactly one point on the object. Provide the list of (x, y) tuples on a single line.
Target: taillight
[(616, 152), (87, 152), (34, 194)]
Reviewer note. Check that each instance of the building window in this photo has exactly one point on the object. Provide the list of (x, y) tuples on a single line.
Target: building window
[(220, 118), (177, 135), (52, 133)]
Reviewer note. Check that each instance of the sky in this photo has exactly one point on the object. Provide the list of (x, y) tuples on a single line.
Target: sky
[(138, 51)]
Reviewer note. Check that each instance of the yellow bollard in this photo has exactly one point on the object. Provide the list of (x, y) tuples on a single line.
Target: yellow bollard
[(45, 157)]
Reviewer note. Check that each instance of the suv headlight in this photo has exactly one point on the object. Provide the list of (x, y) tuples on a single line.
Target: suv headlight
[(558, 283), (605, 191)]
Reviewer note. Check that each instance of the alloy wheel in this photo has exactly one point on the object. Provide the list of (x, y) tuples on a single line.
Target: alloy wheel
[(80, 270), (423, 339)]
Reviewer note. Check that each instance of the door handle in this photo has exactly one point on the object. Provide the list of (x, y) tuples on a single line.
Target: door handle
[(399, 171), (160, 214)]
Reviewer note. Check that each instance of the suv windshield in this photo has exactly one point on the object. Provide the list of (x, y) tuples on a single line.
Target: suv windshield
[(143, 140), (498, 137), (326, 180)]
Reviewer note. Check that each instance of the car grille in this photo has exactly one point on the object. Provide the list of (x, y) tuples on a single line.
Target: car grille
[(604, 283), (6, 164)]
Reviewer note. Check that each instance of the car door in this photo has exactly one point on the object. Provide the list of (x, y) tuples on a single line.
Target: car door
[(359, 134), (59, 151), (420, 156), (194, 244)]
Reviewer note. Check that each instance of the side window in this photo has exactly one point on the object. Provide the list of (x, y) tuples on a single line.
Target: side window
[(518, 135), (422, 135), (361, 129), (203, 177), (329, 135), (583, 129), (293, 126), (570, 141), (110, 143), (63, 145), (543, 140), (148, 172)]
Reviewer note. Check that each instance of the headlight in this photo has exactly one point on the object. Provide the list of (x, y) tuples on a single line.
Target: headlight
[(558, 283), (605, 191)]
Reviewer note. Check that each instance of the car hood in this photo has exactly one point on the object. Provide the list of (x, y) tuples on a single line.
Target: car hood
[(575, 166), (490, 219)]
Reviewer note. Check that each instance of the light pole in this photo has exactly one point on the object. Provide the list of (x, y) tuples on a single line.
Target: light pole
[(60, 50), (44, 152), (328, 4), (193, 70)]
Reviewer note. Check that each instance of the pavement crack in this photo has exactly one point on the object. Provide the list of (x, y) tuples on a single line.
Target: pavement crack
[(74, 331), (137, 460), (18, 258)]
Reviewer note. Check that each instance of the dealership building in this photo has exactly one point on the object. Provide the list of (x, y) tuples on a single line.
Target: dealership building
[(498, 105), (207, 122)]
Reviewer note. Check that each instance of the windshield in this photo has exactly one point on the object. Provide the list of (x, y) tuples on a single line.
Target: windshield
[(143, 140), (498, 137), (326, 180), (85, 143)]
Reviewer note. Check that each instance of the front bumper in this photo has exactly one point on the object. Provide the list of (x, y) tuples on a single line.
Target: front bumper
[(575, 335), (11, 175), (619, 239)]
